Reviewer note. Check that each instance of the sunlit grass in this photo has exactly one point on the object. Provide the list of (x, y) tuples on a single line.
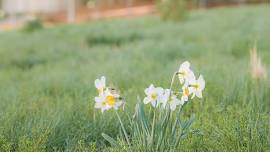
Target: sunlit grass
[(47, 79)]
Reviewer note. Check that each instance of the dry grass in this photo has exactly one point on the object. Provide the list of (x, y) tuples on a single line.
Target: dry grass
[(258, 70)]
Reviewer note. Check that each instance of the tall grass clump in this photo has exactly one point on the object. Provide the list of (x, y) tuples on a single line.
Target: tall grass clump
[(258, 71), (159, 127)]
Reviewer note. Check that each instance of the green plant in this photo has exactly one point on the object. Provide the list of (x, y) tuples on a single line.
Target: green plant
[(172, 9), (55, 93), (153, 131), (33, 25)]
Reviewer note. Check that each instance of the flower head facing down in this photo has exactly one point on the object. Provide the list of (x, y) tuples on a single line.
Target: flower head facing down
[(171, 99), (100, 84), (108, 100), (184, 73), (197, 86), (153, 95)]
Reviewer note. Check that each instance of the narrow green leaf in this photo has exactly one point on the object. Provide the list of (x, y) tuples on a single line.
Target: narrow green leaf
[(110, 140)]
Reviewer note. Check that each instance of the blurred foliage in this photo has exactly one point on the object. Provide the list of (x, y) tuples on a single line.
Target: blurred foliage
[(47, 76), (172, 9), (33, 25), (108, 2), (113, 40)]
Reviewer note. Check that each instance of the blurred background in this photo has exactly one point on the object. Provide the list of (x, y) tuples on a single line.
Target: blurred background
[(52, 51), (15, 13)]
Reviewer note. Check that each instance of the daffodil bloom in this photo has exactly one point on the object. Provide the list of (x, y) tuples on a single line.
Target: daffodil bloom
[(154, 95), (101, 103), (100, 84), (184, 73), (108, 100), (197, 86), (171, 99), (185, 93)]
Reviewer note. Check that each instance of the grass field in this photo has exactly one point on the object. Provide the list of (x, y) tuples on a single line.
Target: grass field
[(47, 79)]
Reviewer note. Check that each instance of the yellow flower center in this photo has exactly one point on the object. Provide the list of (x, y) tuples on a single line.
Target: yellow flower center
[(154, 96), (196, 86), (183, 73), (110, 100), (186, 92)]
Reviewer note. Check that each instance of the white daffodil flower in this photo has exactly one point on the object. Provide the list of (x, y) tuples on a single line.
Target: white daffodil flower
[(185, 93), (108, 100), (197, 86), (101, 103), (173, 101), (184, 72), (165, 98), (100, 84), (154, 95), (170, 99)]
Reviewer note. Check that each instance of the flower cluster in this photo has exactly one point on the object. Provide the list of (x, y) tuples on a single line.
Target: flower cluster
[(155, 130), (191, 87), (191, 84), (107, 97)]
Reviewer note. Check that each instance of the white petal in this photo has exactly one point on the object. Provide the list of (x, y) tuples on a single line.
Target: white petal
[(149, 90), (181, 79), (201, 82), (164, 105), (146, 100), (97, 99), (167, 91), (98, 105), (184, 98), (117, 105), (199, 94), (173, 106), (192, 81), (154, 103), (100, 98), (191, 90), (116, 95), (185, 65), (103, 81), (159, 90), (182, 102), (165, 96), (177, 101), (97, 83), (102, 110), (105, 108), (190, 75)]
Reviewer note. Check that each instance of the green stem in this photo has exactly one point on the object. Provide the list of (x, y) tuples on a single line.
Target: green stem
[(164, 125), (123, 128), (173, 78), (177, 120), (153, 129)]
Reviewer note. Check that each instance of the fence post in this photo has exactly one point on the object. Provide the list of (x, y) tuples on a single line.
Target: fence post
[(71, 11), (129, 5)]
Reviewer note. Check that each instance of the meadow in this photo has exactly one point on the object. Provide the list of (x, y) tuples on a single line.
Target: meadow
[(47, 79)]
